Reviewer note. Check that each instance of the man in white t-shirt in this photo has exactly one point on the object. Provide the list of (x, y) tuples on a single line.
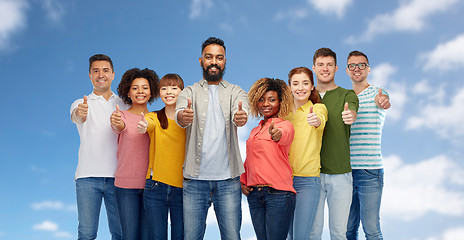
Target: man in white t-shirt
[(97, 151)]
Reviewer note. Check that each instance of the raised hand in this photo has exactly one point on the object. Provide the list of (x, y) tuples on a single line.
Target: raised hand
[(382, 101), (116, 121), (185, 117), (348, 115), (142, 125), (240, 117), (276, 134), (312, 118), (82, 111)]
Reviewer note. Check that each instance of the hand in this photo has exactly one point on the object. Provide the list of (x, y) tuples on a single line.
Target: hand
[(82, 110), (276, 134), (312, 118), (245, 189), (116, 121), (185, 117), (240, 117), (348, 115), (142, 125), (382, 101)]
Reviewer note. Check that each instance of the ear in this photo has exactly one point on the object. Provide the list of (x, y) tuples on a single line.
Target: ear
[(201, 62), (336, 68)]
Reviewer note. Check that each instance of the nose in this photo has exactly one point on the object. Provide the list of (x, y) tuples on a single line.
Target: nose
[(213, 60), (266, 102)]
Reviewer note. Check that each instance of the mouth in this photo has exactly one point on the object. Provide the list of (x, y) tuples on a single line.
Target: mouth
[(140, 97)]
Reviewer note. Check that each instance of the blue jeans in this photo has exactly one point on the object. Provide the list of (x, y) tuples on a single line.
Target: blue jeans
[(338, 189), (226, 196), (308, 191), (159, 199), (365, 206), (271, 211), (132, 213), (89, 194)]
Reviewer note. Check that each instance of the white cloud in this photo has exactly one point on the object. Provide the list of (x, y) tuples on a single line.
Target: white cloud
[(12, 20), (409, 16), (337, 7), (292, 14), (46, 226), (443, 118), (450, 234), (422, 87), (54, 205), (199, 7), (381, 76), (426, 185), (446, 56), (54, 9)]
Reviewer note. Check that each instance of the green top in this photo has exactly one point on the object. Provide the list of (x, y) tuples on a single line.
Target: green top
[(335, 151)]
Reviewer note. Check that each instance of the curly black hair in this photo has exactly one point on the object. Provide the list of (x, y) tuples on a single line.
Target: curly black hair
[(129, 76), (213, 40)]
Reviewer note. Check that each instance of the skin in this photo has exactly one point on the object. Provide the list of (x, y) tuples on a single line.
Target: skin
[(301, 87), (359, 79)]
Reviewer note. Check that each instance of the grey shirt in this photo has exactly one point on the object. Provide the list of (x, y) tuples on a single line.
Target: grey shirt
[(229, 96)]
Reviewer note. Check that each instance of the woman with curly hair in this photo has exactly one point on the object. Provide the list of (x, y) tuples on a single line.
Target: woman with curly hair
[(267, 180), (163, 187), (308, 116), (137, 88)]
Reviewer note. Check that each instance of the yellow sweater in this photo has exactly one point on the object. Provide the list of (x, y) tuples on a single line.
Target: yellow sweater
[(167, 151), (305, 151)]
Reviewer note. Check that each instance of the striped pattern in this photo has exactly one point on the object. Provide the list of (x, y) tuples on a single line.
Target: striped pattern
[(366, 132)]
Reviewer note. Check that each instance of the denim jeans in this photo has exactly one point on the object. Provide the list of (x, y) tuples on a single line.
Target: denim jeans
[(89, 194), (271, 211), (308, 191), (338, 189), (226, 196), (159, 199), (365, 206), (132, 213)]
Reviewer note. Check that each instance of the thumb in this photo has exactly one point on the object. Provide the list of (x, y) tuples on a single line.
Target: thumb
[(346, 106), (85, 99), (189, 103), (117, 108), (271, 127), (380, 91), (143, 117), (311, 109), (240, 105)]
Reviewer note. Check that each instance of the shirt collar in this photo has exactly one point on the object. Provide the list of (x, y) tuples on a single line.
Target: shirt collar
[(223, 83)]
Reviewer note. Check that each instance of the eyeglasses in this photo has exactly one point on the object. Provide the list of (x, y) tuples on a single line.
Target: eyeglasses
[(361, 66)]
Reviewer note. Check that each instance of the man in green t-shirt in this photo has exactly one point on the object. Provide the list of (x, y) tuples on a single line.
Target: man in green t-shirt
[(336, 179)]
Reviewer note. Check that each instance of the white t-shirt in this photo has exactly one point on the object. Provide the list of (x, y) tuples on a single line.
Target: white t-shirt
[(98, 143)]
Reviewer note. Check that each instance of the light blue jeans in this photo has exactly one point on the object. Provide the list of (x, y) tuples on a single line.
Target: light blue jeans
[(89, 194), (338, 190), (308, 191), (365, 206), (226, 196)]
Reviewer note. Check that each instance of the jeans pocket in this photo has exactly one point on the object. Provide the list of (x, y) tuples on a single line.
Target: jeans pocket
[(150, 184), (374, 172)]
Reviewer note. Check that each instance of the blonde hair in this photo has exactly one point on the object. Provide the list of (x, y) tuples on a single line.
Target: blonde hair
[(263, 85)]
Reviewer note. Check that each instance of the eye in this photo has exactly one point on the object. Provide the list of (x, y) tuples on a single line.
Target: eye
[(261, 100), (220, 58)]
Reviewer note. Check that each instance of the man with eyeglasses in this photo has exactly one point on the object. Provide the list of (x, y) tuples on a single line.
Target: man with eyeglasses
[(366, 156), (335, 176)]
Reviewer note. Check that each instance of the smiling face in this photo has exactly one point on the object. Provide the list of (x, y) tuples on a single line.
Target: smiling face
[(101, 74), (325, 68), (168, 94), (139, 92), (269, 105), (301, 87), (358, 75), (213, 62)]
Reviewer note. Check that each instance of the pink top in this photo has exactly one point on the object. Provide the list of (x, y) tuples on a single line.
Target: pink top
[(132, 154), (266, 161)]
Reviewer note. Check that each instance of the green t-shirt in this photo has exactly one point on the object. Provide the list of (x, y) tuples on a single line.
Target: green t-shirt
[(335, 151)]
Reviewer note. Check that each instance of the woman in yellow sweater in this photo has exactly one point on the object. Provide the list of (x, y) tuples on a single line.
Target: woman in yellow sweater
[(163, 187), (308, 117)]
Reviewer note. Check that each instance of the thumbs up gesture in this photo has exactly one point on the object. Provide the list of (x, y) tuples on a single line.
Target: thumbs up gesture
[(82, 110), (382, 101), (312, 118), (142, 125), (348, 115), (116, 121), (276, 134), (185, 117), (240, 117)]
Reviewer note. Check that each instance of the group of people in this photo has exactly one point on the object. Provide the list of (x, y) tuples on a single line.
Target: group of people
[(315, 143)]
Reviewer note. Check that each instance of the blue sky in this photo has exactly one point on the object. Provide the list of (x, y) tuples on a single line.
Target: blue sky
[(415, 48)]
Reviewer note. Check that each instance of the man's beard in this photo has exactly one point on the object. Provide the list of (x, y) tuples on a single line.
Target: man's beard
[(213, 77)]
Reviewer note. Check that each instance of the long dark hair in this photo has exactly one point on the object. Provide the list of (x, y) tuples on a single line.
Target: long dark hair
[(314, 96), (170, 79)]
